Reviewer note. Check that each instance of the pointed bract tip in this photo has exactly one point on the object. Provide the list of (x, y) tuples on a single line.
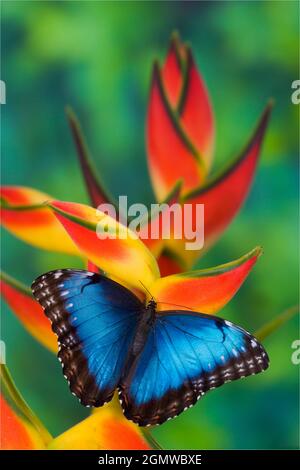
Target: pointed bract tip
[(71, 116), (257, 251)]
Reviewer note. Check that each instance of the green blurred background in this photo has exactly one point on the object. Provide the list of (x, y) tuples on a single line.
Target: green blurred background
[(97, 56)]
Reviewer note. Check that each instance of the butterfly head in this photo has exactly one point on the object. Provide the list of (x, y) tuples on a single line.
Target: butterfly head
[(152, 305)]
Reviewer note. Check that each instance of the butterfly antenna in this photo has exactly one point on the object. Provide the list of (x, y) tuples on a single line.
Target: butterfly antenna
[(146, 289), (175, 305)]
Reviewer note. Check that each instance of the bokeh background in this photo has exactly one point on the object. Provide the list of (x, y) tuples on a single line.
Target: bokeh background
[(97, 57)]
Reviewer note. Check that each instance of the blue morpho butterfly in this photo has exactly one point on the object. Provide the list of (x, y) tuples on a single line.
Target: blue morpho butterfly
[(161, 363)]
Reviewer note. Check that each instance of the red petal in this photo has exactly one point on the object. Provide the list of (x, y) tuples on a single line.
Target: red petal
[(172, 72), (154, 224), (24, 214), (16, 434), (205, 290), (92, 267), (171, 155), (223, 196), (123, 256), (168, 264), (28, 311), (106, 429), (196, 113)]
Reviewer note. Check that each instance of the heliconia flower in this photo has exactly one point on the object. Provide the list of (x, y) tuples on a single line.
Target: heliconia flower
[(221, 196), (29, 312), (180, 142), (24, 213), (180, 123)]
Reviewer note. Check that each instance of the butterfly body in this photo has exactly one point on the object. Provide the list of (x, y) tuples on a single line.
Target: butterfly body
[(145, 323), (161, 363)]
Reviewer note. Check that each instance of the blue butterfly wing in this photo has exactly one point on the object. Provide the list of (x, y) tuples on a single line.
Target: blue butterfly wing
[(95, 320), (185, 355)]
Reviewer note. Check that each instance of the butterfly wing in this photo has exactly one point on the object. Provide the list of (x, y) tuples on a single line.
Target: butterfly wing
[(95, 320), (185, 355)]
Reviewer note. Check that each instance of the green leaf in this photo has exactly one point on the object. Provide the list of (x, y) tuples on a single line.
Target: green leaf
[(150, 439), (98, 195), (276, 323)]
